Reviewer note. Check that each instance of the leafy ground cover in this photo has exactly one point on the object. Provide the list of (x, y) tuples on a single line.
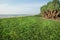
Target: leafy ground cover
[(29, 28)]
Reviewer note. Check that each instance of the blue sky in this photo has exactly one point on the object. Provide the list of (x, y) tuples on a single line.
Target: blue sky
[(21, 6)]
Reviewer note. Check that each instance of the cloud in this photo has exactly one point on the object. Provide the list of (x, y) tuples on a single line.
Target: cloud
[(20, 8)]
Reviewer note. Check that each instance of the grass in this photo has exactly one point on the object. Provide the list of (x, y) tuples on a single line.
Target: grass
[(29, 28)]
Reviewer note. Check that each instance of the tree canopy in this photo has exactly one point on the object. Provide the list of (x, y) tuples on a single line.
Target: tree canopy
[(52, 5)]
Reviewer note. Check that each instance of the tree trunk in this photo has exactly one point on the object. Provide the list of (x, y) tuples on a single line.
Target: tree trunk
[(51, 14)]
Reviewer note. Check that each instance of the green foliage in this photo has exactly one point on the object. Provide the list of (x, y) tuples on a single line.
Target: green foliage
[(29, 28), (54, 5), (50, 6), (38, 15), (56, 1), (44, 8)]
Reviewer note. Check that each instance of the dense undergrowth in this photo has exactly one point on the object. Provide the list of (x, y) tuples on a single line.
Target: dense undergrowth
[(29, 28)]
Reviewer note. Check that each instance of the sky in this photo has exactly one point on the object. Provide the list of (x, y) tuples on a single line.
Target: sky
[(21, 6)]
